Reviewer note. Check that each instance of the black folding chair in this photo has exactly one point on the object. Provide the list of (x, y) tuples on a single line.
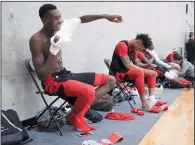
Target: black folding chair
[(121, 85), (42, 93)]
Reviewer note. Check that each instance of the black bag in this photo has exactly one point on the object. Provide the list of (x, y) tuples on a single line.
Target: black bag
[(93, 116), (12, 131), (105, 104), (45, 119)]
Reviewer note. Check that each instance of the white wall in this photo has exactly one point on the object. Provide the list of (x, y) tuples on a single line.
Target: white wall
[(90, 44)]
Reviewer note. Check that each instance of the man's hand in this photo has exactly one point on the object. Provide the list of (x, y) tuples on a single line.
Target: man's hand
[(150, 72), (56, 39), (174, 67), (114, 18), (152, 65), (55, 47)]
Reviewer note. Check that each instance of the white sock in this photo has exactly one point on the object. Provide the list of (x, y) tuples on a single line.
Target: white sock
[(152, 100), (147, 97)]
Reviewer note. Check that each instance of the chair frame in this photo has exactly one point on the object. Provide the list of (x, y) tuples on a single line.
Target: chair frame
[(42, 93), (121, 88)]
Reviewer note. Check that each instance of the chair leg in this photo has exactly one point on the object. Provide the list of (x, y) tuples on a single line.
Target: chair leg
[(133, 100), (47, 107), (130, 104), (130, 94), (125, 87), (52, 117), (126, 100), (54, 114), (31, 126)]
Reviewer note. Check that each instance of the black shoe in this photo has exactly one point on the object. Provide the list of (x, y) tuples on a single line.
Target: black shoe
[(193, 84), (189, 86)]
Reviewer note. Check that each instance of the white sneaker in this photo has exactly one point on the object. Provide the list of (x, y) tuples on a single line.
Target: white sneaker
[(134, 93), (152, 100)]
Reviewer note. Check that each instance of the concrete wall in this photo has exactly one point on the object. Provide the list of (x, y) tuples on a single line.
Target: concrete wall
[(189, 20), (90, 44)]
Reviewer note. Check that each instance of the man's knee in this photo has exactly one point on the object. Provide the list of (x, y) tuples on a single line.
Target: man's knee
[(100, 79), (88, 93), (135, 73), (112, 81), (140, 72), (169, 76)]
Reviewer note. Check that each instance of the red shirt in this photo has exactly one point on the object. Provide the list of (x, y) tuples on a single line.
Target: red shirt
[(169, 58), (122, 50), (140, 55)]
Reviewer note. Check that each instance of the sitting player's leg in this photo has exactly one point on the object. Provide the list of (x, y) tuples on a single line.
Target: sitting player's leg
[(173, 77), (138, 75), (85, 94), (151, 81), (104, 84)]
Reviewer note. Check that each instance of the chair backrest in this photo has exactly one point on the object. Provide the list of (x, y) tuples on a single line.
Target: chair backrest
[(30, 69), (29, 66), (108, 63)]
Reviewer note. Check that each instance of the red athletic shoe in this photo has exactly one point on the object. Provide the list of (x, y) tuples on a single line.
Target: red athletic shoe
[(138, 111), (154, 109), (86, 124), (159, 103), (74, 120)]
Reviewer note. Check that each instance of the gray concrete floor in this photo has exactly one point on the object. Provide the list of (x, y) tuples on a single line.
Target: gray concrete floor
[(132, 131)]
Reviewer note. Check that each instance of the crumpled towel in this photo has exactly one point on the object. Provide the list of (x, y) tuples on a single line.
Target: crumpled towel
[(119, 116)]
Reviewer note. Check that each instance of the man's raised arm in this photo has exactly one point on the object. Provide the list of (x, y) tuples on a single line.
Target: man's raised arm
[(111, 18)]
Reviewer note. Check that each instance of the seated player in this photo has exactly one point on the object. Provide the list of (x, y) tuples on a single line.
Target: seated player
[(169, 57), (123, 68), (187, 68), (169, 71), (47, 60)]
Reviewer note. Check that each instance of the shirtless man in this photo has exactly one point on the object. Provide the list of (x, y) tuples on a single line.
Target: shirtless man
[(47, 61), (122, 67)]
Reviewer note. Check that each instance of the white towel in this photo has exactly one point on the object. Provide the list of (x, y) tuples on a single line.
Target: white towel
[(65, 34), (67, 29)]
